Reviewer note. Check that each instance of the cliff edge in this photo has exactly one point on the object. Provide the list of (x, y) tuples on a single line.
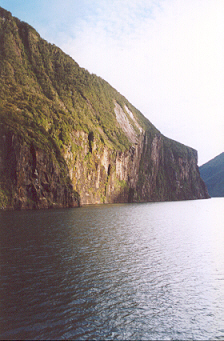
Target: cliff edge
[(68, 138)]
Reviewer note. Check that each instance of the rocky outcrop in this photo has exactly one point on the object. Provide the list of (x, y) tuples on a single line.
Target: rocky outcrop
[(68, 138)]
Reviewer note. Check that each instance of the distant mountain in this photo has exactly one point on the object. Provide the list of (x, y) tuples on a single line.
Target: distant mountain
[(68, 138), (212, 173)]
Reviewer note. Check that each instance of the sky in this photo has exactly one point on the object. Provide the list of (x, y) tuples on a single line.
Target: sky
[(165, 56)]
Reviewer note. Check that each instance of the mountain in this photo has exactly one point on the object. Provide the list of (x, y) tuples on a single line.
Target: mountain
[(68, 138), (212, 173)]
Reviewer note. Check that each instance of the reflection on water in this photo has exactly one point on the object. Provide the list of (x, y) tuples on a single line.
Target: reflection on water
[(137, 271)]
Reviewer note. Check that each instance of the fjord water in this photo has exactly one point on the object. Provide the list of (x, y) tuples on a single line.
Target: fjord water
[(129, 271)]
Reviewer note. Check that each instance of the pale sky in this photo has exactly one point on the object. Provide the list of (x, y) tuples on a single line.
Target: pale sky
[(165, 56)]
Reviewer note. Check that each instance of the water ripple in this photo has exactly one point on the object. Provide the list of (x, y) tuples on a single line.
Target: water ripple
[(146, 271)]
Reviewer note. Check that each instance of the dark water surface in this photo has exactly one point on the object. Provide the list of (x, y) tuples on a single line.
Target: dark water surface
[(135, 271)]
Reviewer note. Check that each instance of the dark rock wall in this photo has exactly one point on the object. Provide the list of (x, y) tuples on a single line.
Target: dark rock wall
[(31, 178), (148, 171)]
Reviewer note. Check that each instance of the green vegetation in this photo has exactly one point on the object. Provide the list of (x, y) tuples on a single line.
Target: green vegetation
[(45, 90), (53, 107), (45, 96)]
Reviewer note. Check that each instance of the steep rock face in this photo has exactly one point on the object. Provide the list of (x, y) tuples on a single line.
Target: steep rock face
[(102, 175), (67, 137), (31, 177), (149, 171)]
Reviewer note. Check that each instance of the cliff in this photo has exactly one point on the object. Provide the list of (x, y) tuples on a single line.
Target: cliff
[(68, 138), (212, 172)]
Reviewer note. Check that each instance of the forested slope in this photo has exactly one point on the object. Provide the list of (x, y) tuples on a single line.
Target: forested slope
[(68, 137)]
